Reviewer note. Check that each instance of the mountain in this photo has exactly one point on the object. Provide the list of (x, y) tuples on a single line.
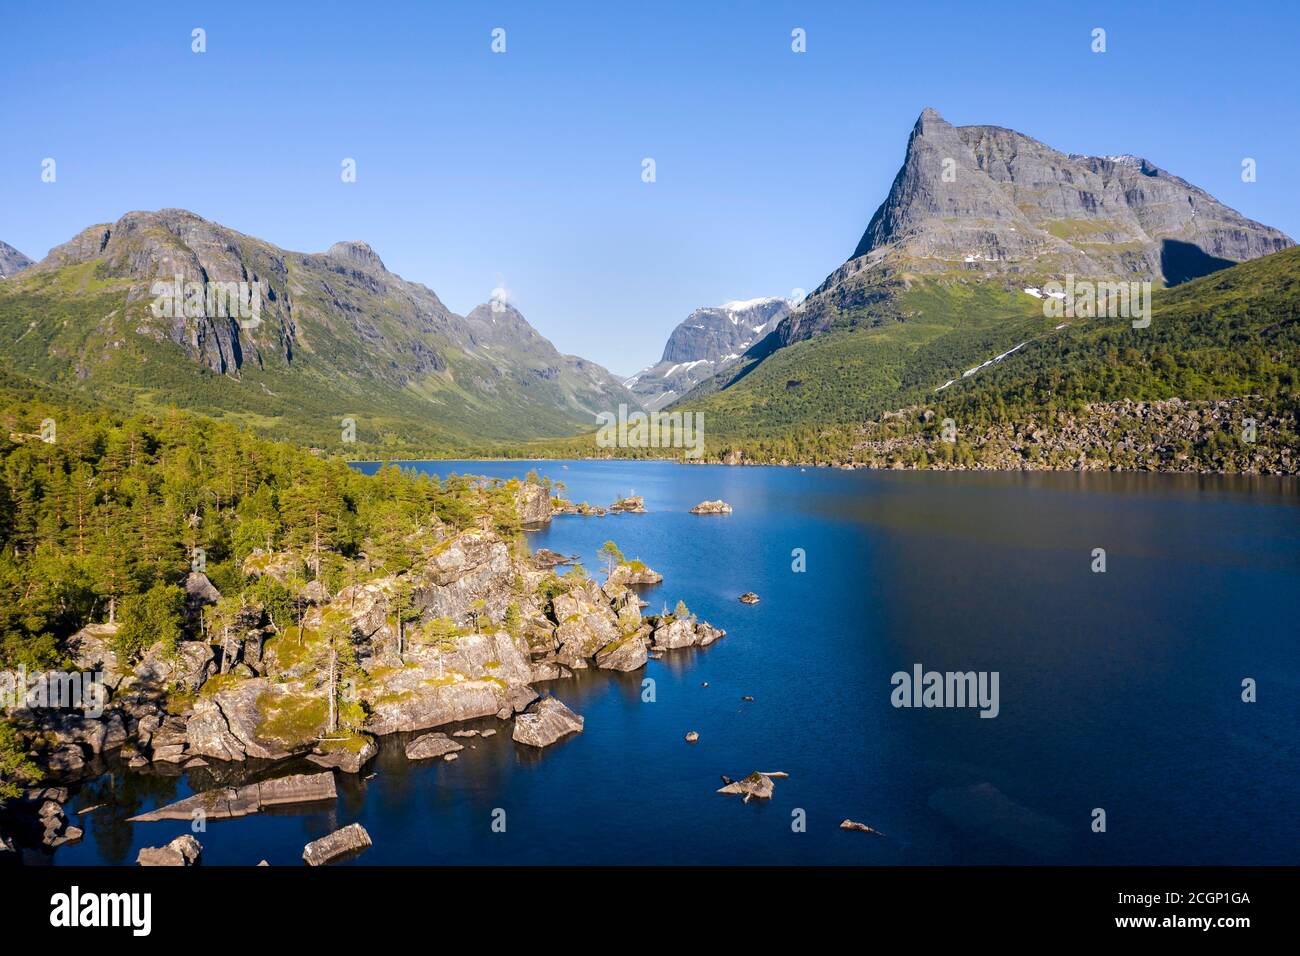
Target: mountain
[(11, 261), (337, 336), (940, 281), (706, 342)]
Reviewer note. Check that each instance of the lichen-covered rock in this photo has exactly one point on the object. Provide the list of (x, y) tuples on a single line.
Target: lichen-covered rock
[(545, 722), (474, 566), (586, 623)]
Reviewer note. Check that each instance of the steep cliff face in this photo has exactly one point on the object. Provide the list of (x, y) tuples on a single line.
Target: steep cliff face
[(334, 329), (12, 261), (706, 342), (984, 198)]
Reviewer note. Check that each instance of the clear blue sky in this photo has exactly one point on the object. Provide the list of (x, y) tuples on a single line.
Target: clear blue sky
[(476, 169)]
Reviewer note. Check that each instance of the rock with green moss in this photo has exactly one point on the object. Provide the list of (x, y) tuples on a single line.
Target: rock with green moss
[(347, 754)]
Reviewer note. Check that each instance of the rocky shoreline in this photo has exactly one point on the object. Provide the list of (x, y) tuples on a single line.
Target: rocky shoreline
[(464, 635)]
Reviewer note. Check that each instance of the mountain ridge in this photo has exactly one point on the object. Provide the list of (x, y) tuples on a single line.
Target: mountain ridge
[(335, 328)]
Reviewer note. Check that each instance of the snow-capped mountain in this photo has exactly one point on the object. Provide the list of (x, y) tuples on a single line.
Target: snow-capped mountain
[(708, 340)]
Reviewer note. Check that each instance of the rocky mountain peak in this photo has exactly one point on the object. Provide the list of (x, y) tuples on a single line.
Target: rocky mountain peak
[(11, 261), (991, 200), (358, 253)]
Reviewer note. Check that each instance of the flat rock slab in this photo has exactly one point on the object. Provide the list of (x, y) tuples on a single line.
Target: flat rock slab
[(230, 802), (431, 745), (545, 722), (353, 838)]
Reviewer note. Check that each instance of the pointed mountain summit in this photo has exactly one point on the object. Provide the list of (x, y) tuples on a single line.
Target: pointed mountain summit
[(12, 261), (984, 198)]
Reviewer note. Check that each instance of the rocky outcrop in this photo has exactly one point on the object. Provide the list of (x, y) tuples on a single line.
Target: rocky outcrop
[(243, 720), (757, 786), (183, 851), (718, 507), (631, 505), (232, 802), (534, 505), (586, 623), (631, 573), (185, 666), (545, 722), (350, 840), (670, 632), (749, 597), (473, 566)]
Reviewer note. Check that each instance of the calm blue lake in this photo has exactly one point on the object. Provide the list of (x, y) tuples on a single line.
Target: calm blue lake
[(1118, 690)]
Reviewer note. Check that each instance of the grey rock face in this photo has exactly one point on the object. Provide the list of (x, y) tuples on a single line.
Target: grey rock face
[(546, 722), (12, 261), (707, 341), (984, 198), (983, 202)]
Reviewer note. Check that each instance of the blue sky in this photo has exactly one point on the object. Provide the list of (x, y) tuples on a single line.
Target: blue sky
[(477, 169)]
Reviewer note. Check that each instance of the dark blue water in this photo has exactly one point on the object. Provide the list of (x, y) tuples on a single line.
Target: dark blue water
[(1119, 691)]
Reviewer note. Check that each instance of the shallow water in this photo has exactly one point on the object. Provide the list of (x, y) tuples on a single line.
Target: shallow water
[(1119, 691)]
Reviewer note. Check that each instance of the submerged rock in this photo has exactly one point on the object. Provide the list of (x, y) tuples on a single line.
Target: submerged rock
[(545, 722), (353, 838), (231, 802), (431, 745)]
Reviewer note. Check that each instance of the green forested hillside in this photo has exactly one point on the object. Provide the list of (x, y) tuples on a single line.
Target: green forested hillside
[(1229, 335), (109, 514)]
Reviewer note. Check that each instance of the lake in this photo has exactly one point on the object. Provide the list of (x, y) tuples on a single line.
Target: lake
[(1119, 691)]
